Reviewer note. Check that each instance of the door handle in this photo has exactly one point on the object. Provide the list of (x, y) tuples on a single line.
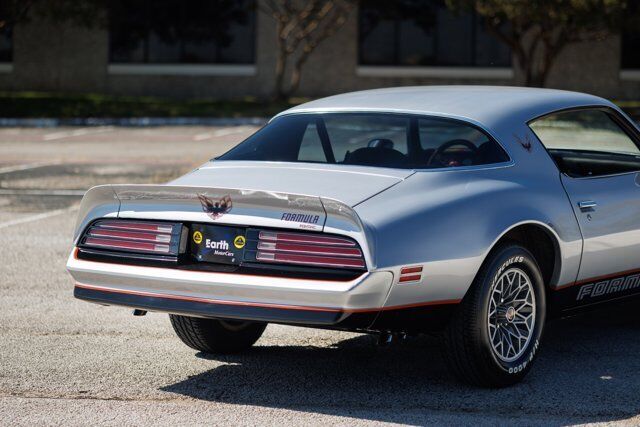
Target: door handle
[(587, 204)]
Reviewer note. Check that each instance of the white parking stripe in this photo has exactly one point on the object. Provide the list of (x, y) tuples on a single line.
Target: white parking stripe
[(220, 132), (16, 168), (38, 192), (229, 131), (77, 132), (202, 136), (37, 217)]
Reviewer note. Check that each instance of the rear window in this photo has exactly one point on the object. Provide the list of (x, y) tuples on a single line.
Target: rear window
[(381, 140)]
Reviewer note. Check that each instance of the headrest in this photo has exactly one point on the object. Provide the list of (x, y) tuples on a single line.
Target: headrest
[(380, 143)]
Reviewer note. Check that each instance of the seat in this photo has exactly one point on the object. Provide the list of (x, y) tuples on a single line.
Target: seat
[(378, 152)]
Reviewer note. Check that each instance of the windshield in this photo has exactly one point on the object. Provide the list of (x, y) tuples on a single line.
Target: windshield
[(370, 139)]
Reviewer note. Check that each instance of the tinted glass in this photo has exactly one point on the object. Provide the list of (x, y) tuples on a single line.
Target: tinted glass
[(182, 31), (425, 32), (446, 143), (583, 130), (382, 140)]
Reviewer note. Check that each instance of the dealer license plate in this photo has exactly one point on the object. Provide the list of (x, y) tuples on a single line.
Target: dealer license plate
[(217, 244)]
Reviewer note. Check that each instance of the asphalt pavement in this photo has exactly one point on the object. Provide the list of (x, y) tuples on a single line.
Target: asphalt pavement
[(64, 361)]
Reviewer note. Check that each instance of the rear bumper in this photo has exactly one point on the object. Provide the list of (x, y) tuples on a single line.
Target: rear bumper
[(211, 308), (355, 303)]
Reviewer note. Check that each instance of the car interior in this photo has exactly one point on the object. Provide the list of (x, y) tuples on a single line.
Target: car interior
[(456, 152), (578, 164), (377, 140)]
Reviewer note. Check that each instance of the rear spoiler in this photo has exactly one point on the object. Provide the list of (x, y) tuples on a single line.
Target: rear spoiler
[(221, 205)]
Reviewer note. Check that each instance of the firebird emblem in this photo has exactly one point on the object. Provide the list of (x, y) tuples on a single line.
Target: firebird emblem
[(215, 209), (526, 144)]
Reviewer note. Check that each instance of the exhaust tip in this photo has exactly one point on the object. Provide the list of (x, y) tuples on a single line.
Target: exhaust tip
[(386, 339)]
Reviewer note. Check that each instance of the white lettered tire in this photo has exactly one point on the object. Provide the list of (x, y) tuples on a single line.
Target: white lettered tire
[(495, 334)]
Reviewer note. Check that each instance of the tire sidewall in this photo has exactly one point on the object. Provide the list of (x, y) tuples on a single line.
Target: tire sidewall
[(512, 257)]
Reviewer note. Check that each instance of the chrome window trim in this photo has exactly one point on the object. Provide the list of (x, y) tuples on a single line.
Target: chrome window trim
[(500, 165), (601, 176)]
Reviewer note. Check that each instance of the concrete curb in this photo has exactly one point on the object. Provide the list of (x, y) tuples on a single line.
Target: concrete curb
[(134, 121)]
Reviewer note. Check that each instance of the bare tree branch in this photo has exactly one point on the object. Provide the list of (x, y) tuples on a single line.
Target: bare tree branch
[(13, 12), (300, 27), (540, 29)]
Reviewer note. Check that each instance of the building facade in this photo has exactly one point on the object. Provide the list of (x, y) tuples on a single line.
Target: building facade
[(201, 51)]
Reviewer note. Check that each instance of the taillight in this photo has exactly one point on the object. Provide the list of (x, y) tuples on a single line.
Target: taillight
[(308, 249), (159, 238)]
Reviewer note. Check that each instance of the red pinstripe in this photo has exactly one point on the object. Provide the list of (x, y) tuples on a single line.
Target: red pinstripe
[(265, 305)]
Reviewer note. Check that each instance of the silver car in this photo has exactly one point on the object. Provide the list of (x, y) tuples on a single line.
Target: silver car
[(476, 212)]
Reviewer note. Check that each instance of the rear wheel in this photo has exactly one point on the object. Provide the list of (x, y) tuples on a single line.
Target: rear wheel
[(493, 339), (216, 336)]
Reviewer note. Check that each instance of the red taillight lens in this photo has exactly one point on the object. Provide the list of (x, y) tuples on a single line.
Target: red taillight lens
[(412, 273), (305, 238), (134, 236), (309, 249)]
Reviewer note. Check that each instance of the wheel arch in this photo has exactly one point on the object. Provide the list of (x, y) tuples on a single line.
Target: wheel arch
[(542, 241)]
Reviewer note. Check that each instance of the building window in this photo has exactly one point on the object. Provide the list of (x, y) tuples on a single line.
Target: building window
[(425, 33), (630, 57), (182, 31), (6, 44), (630, 50)]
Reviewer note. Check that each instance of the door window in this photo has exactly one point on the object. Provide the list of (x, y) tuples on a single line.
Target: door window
[(587, 143)]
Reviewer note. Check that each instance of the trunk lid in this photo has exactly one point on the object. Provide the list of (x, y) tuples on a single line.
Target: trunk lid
[(231, 206), (349, 184), (251, 194)]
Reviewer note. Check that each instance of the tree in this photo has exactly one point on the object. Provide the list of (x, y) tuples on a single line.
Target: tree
[(81, 12), (300, 27), (538, 30), (12, 12)]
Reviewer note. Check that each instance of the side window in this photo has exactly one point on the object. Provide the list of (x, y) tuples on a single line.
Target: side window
[(587, 143), (448, 144)]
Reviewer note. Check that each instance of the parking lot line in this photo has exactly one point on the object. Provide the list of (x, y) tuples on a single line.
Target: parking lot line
[(202, 136), (36, 217), (229, 131), (17, 168), (220, 132), (39, 192), (78, 132)]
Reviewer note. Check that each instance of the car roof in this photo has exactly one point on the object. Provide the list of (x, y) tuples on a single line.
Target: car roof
[(487, 106)]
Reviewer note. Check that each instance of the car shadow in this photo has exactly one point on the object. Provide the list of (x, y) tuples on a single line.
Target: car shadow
[(587, 370)]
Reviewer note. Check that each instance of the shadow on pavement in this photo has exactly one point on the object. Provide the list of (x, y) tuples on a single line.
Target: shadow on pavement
[(588, 370)]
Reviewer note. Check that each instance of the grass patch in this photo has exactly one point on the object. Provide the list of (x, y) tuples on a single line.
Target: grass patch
[(628, 104), (57, 105), (65, 106), (632, 108)]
